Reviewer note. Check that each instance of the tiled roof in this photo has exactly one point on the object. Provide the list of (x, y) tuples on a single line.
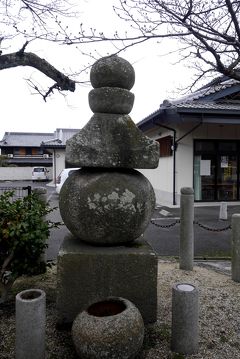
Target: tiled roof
[(26, 139), (206, 91), (212, 99), (207, 106)]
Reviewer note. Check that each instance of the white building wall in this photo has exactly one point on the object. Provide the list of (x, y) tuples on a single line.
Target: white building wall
[(60, 161), (185, 150), (184, 164), (161, 179), (18, 173)]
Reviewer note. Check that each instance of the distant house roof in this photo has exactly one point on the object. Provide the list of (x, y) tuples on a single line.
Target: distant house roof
[(24, 139), (221, 98), (41, 161), (59, 138)]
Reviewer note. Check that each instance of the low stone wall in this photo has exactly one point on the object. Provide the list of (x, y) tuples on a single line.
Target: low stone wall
[(18, 173)]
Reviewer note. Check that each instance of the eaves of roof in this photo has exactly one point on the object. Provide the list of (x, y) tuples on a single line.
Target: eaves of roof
[(24, 139), (53, 145), (191, 111), (37, 161), (211, 93), (207, 107)]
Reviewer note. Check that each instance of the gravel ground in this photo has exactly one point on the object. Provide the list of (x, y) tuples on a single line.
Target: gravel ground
[(219, 318)]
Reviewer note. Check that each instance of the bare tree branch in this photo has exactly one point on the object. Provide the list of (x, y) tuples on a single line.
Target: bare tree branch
[(208, 31), (36, 17), (22, 58)]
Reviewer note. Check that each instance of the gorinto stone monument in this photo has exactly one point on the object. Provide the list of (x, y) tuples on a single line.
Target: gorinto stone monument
[(107, 204)]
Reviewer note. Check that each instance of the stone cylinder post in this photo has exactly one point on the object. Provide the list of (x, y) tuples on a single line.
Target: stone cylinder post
[(185, 329), (223, 211), (30, 324), (236, 247), (186, 246)]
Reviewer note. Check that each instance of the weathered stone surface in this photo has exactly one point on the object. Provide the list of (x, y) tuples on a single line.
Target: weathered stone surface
[(87, 274), (111, 329), (30, 324), (112, 71), (111, 141), (111, 100), (185, 319), (106, 207)]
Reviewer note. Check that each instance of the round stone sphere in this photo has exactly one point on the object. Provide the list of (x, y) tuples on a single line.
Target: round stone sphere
[(112, 71), (106, 207), (112, 328)]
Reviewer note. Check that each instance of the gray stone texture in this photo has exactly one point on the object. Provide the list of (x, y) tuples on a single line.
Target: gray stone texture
[(111, 100), (185, 316), (112, 336), (30, 324), (112, 71), (111, 140), (88, 274), (106, 207), (186, 245), (236, 247)]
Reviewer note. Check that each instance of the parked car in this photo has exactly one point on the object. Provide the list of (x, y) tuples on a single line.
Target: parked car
[(63, 176), (40, 174)]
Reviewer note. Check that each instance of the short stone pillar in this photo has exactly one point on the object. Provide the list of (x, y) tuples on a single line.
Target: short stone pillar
[(236, 247), (186, 253), (185, 329), (223, 211), (30, 324)]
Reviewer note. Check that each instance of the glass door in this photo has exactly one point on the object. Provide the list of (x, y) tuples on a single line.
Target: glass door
[(216, 170), (204, 178), (227, 178)]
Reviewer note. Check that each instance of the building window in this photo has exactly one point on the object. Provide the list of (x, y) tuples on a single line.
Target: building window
[(19, 151), (36, 151), (165, 145)]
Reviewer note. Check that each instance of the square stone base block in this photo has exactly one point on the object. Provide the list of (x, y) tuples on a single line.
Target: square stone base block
[(88, 274)]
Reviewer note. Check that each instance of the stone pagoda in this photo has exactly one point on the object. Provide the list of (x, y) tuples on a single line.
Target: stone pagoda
[(107, 204)]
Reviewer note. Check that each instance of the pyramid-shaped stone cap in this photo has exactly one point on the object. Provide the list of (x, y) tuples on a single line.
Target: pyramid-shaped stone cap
[(112, 141)]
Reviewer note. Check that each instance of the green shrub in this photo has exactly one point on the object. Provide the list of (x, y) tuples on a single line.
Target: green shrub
[(23, 234)]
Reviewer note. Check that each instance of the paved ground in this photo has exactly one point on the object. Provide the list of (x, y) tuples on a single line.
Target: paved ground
[(165, 241), (210, 241)]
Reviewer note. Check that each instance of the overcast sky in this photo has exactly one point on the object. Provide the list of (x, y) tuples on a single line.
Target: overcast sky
[(157, 78)]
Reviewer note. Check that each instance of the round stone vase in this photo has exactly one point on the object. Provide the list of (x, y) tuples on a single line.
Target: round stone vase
[(112, 328)]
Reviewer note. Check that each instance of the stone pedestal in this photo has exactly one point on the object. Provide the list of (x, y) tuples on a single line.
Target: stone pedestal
[(87, 274)]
